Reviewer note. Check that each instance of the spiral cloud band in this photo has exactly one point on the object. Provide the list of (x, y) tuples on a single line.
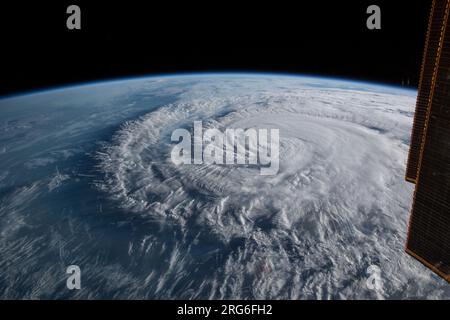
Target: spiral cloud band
[(234, 146)]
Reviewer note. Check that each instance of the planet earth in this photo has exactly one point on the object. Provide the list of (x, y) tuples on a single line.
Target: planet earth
[(86, 180)]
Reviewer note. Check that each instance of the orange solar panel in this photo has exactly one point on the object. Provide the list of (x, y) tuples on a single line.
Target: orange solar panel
[(429, 158)]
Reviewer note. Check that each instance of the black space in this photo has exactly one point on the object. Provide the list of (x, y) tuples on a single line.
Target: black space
[(130, 38)]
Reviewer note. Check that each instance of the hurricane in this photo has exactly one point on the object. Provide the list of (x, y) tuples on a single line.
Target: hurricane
[(87, 179)]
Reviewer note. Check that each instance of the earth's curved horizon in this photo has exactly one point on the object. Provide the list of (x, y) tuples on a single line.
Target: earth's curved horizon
[(81, 84), (86, 180)]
